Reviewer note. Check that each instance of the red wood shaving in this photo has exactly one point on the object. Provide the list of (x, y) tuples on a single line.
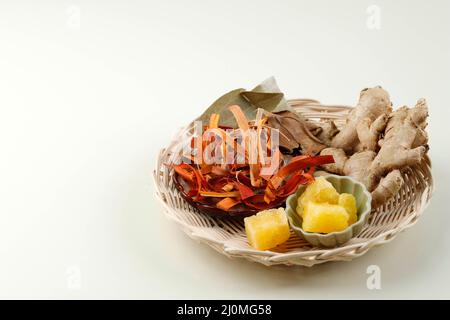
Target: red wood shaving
[(250, 189)]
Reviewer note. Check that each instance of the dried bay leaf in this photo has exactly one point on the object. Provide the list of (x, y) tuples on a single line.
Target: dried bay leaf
[(270, 85), (266, 95), (220, 106)]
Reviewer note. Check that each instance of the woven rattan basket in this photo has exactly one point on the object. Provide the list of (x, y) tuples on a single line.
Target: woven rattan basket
[(227, 236)]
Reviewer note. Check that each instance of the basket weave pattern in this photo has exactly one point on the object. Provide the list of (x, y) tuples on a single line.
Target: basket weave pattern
[(228, 235)]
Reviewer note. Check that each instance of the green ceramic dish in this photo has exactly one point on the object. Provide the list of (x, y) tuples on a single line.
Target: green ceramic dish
[(341, 184)]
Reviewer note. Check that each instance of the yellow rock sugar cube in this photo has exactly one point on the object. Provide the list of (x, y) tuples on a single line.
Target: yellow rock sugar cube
[(267, 229), (324, 218), (320, 191), (348, 202)]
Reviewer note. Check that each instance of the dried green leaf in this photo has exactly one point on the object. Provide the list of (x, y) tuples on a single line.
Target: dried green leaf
[(266, 96)]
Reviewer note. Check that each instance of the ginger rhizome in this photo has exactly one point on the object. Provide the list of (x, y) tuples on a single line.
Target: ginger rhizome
[(376, 143)]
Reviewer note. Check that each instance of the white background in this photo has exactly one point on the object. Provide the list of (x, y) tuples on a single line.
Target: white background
[(89, 92)]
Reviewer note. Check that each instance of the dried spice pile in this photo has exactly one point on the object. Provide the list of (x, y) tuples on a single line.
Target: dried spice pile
[(244, 185)]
